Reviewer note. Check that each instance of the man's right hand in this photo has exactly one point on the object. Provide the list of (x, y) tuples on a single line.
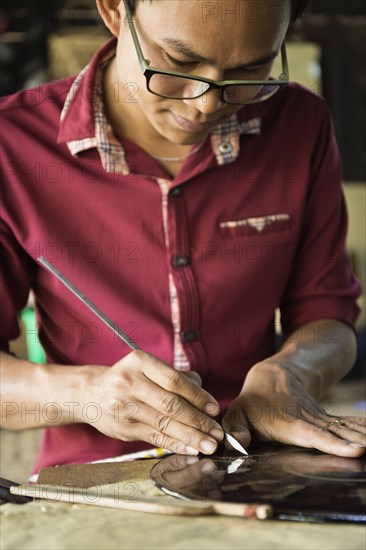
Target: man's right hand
[(142, 398)]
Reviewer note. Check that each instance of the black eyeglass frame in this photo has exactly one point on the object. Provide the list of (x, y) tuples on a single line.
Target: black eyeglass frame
[(148, 71)]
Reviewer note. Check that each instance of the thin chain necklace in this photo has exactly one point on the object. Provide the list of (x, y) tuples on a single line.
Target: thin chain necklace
[(178, 159)]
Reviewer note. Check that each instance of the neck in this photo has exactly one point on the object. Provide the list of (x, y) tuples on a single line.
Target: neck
[(191, 152)]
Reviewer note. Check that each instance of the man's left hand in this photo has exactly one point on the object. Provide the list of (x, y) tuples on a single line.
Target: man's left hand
[(274, 406)]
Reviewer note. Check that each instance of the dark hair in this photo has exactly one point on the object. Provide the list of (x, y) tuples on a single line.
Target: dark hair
[(298, 7)]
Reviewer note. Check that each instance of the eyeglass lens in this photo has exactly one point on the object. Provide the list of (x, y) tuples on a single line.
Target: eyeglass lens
[(187, 88)]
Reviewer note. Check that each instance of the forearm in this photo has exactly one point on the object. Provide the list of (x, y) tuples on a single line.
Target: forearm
[(139, 398), (319, 354), (36, 396)]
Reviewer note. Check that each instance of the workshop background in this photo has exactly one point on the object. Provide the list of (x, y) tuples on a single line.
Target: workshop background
[(42, 41)]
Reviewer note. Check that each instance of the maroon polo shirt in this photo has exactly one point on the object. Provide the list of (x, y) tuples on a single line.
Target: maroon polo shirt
[(234, 238)]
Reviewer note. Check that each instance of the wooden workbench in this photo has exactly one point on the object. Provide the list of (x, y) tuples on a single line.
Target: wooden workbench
[(46, 525), (56, 525)]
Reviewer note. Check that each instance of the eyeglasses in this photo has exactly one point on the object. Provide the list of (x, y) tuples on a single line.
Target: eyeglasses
[(175, 85)]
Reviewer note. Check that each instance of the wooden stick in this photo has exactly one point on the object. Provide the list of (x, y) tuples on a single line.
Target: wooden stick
[(154, 505)]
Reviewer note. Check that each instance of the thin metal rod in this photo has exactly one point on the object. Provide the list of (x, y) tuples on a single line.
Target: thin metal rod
[(92, 307), (89, 304), (234, 443)]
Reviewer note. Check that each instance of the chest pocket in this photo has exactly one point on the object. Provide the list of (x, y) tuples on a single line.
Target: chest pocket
[(260, 225)]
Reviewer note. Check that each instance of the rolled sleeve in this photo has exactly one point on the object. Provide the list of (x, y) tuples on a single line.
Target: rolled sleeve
[(322, 284), (15, 282)]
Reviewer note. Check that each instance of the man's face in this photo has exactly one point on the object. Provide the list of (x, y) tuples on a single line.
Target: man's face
[(211, 39)]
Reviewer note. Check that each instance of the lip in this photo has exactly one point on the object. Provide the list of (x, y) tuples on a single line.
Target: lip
[(190, 126)]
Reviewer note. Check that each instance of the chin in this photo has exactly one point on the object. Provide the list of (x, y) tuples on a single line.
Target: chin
[(166, 130), (189, 140), (180, 137)]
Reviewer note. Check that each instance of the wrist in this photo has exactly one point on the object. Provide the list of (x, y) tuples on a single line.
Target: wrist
[(45, 395), (83, 390), (69, 391)]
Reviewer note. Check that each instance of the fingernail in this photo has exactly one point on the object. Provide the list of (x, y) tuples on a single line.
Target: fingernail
[(191, 451), (217, 434), (208, 446), (211, 408), (356, 445)]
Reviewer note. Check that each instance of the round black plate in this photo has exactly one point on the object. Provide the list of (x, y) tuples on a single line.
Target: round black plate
[(301, 484)]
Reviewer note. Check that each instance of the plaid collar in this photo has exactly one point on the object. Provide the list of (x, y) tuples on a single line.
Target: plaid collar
[(225, 138)]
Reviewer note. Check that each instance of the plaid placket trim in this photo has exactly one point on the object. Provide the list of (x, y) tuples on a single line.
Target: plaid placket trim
[(225, 138), (180, 359), (225, 145)]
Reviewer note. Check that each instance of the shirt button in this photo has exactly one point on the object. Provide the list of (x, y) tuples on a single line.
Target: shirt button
[(176, 192), (225, 147), (188, 336), (181, 261)]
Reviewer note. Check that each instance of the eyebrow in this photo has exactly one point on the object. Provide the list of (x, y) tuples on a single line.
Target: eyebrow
[(181, 47)]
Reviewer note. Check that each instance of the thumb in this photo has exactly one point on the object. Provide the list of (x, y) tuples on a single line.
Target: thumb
[(235, 422)]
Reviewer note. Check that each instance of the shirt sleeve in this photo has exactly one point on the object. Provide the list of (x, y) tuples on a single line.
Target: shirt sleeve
[(322, 285), (15, 281)]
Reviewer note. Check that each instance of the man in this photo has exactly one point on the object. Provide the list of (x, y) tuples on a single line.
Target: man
[(188, 210)]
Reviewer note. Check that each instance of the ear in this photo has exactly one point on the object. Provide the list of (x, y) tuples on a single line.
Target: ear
[(112, 12)]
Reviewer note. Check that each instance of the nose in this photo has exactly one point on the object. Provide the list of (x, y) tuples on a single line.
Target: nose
[(208, 103)]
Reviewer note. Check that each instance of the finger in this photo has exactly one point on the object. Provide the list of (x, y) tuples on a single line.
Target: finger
[(235, 422), (143, 432), (160, 426), (175, 382), (350, 429), (355, 423), (347, 430), (306, 434), (173, 406)]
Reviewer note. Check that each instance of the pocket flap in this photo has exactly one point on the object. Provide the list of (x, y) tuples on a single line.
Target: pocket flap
[(256, 225)]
